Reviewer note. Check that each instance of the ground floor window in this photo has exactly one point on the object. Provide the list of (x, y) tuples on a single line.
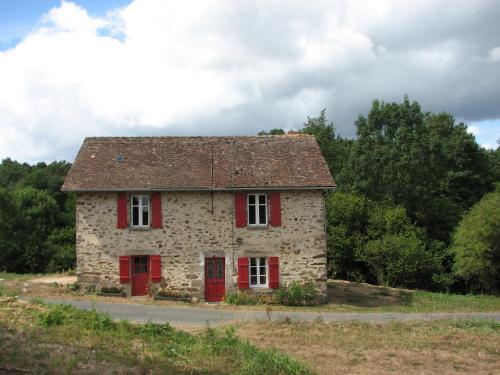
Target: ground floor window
[(258, 272)]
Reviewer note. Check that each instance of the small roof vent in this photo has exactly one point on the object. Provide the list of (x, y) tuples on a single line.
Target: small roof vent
[(120, 158)]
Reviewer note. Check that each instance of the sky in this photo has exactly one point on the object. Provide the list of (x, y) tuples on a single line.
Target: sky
[(227, 67)]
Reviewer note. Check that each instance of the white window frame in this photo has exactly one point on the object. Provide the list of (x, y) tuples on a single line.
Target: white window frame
[(139, 210), (257, 268), (257, 211)]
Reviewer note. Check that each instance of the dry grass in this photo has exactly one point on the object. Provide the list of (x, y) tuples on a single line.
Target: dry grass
[(443, 347), (59, 339)]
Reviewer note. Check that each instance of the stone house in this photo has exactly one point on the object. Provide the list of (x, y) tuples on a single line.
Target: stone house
[(200, 215)]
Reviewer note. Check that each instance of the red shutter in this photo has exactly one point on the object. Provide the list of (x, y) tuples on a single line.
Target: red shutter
[(243, 273), (155, 268), (156, 216), (124, 269), (122, 216), (275, 208), (274, 272), (240, 206)]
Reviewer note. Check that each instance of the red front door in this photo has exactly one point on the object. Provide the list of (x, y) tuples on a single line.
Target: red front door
[(215, 279), (140, 275)]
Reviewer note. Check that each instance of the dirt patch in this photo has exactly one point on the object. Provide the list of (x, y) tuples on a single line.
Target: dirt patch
[(61, 280), (366, 295)]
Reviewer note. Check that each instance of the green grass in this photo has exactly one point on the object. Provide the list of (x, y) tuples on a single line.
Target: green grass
[(423, 301), (159, 348), (18, 276), (428, 301)]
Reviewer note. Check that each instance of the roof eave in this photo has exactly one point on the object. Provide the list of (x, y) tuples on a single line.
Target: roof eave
[(105, 190)]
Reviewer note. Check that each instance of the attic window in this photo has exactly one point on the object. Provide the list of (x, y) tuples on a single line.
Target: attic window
[(120, 158)]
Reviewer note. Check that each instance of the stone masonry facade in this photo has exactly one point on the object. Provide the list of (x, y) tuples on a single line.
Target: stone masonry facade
[(198, 225)]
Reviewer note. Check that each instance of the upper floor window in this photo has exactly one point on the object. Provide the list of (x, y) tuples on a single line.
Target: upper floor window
[(257, 209), (140, 210)]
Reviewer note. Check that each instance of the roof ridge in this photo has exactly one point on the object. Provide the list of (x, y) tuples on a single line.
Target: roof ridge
[(284, 136)]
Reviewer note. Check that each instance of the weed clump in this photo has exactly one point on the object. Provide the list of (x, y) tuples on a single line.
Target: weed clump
[(239, 297), (298, 295)]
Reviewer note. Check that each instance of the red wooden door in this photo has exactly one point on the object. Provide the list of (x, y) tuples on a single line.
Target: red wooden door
[(215, 279), (140, 275)]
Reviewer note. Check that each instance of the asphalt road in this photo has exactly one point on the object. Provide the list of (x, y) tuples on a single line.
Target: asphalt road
[(201, 316)]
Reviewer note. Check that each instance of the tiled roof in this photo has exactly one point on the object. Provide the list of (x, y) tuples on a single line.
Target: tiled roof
[(198, 163)]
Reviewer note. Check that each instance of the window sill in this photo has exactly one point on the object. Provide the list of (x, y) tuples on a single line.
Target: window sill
[(260, 290), (139, 229), (257, 227)]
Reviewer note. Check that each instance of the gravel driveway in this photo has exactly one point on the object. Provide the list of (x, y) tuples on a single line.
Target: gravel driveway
[(200, 316)]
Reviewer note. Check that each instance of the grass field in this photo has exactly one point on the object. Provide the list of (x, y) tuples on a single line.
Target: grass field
[(60, 339), (444, 347)]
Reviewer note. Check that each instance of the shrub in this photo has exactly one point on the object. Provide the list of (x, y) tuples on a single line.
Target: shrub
[(297, 295), (376, 242), (401, 260), (61, 244), (476, 246), (239, 297)]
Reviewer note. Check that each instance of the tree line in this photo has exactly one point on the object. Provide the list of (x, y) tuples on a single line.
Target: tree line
[(37, 220), (417, 204)]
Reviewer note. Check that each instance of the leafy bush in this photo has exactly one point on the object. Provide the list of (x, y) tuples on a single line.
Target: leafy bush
[(376, 242), (400, 260), (476, 245), (297, 295), (239, 297), (61, 244)]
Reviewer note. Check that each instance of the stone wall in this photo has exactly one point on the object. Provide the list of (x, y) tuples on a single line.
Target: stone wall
[(198, 225)]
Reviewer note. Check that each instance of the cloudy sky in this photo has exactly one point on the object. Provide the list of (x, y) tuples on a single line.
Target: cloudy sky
[(158, 67)]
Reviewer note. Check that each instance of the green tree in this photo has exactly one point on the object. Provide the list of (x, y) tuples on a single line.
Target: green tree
[(476, 245), (10, 233), (376, 242), (60, 245), (334, 148), (11, 172), (425, 162), (278, 131), (37, 212)]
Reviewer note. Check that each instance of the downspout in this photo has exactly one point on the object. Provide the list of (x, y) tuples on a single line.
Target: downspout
[(233, 213)]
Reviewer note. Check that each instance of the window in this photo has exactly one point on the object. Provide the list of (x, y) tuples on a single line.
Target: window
[(140, 210), (258, 272), (140, 264), (257, 209)]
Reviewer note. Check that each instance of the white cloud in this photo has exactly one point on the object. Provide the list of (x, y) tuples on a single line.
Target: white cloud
[(473, 129), (494, 54), (228, 67)]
